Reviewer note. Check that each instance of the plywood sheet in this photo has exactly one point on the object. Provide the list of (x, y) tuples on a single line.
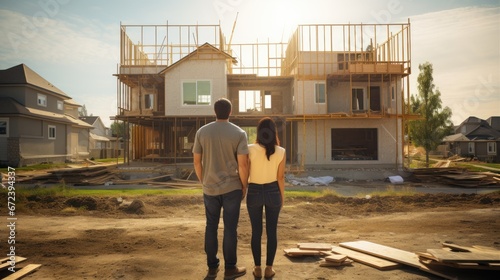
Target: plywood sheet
[(385, 252), (366, 259)]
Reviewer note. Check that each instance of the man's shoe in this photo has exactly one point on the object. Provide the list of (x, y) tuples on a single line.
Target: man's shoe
[(232, 273), (212, 272)]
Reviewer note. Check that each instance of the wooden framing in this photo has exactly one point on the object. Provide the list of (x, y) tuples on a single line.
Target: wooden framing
[(334, 53)]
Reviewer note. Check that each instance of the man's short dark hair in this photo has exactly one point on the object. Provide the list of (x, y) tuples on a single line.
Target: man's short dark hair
[(222, 108)]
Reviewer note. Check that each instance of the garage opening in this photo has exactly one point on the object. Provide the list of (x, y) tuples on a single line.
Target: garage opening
[(354, 144)]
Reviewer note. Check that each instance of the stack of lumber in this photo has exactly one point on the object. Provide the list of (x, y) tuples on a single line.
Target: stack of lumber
[(463, 257), (323, 250), (455, 176), (450, 262), (309, 249), (102, 175), (6, 266), (70, 175), (96, 175)]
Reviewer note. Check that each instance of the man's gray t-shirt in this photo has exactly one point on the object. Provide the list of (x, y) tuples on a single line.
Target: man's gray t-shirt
[(220, 143)]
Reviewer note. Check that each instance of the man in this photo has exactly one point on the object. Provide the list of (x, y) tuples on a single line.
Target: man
[(220, 154)]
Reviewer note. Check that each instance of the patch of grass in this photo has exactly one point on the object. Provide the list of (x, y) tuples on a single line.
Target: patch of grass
[(419, 162), (308, 194), (391, 191), (477, 166), (108, 160)]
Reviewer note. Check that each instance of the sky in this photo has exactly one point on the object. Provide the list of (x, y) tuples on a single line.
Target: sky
[(74, 44)]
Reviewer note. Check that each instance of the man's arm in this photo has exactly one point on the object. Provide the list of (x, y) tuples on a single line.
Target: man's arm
[(198, 168), (243, 172)]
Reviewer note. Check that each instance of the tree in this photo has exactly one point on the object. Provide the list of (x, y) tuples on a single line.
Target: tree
[(82, 112), (429, 131), (118, 129)]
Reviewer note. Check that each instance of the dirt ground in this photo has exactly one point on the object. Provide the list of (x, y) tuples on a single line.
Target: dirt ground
[(161, 237)]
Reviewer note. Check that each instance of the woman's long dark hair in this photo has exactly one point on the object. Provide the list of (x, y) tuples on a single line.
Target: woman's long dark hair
[(267, 135)]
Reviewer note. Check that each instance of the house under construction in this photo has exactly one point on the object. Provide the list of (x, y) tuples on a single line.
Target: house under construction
[(338, 92)]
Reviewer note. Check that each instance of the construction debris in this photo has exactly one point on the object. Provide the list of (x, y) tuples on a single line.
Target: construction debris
[(105, 175), (450, 262), (455, 176)]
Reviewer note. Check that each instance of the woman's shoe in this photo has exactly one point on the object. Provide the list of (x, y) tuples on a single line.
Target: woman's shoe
[(269, 272), (257, 272)]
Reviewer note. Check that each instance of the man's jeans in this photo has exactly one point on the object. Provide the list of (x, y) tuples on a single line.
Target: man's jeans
[(230, 204)]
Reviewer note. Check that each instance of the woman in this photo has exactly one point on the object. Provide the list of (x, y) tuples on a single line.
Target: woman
[(266, 189)]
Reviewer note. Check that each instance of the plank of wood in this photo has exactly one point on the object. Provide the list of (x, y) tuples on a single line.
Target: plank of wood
[(297, 252), (475, 256), (399, 256), (315, 246), (326, 263), (385, 252), (473, 266), (485, 248), (457, 247), (23, 272), (336, 258), (5, 262), (366, 259)]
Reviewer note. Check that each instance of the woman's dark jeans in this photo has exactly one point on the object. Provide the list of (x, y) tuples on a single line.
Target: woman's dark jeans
[(230, 204), (260, 197)]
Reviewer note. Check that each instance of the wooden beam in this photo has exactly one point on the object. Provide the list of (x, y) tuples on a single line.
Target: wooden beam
[(23, 272), (366, 259)]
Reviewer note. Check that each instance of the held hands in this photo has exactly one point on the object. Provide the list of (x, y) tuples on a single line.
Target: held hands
[(244, 192)]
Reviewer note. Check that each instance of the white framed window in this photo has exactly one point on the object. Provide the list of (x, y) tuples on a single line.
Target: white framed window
[(149, 101), (42, 100), (358, 99), (196, 92), (52, 132), (249, 101), (471, 148), (492, 148), (268, 100), (4, 127), (320, 93), (60, 105)]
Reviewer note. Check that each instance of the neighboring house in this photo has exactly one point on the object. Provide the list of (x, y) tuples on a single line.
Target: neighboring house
[(475, 138), (336, 91), (99, 143), (38, 121)]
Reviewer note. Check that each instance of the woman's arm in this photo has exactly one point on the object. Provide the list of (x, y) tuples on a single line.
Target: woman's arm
[(281, 178)]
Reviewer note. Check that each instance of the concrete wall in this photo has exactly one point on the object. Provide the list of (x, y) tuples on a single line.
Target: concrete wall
[(305, 98), (192, 70), (314, 143)]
